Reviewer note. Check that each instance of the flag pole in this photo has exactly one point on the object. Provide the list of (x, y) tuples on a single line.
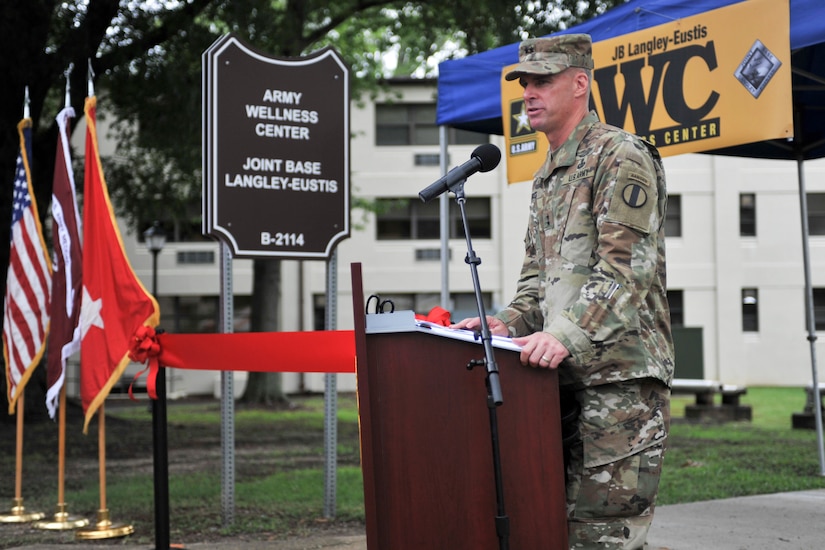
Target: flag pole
[(90, 80), (26, 101), (18, 513), (103, 528), (62, 520), (67, 102)]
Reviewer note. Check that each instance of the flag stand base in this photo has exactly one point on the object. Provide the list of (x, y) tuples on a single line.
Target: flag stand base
[(104, 528), (62, 521), (18, 514)]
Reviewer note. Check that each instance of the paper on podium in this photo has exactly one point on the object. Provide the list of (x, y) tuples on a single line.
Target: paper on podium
[(405, 321)]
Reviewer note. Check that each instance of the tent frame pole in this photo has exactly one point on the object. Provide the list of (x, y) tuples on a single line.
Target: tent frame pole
[(444, 215), (810, 321)]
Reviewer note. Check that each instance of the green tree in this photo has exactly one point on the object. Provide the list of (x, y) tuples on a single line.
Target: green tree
[(146, 57)]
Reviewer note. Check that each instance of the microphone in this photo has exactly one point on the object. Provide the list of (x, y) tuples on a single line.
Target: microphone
[(483, 159)]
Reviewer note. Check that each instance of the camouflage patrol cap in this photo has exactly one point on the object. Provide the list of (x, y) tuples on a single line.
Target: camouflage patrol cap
[(552, 55)]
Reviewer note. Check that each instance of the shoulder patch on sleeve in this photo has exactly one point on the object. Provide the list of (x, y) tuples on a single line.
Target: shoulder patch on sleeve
[(634, 201), (634, 195)]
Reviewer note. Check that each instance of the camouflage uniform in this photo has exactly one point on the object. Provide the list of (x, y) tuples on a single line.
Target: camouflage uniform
[(594, 277)]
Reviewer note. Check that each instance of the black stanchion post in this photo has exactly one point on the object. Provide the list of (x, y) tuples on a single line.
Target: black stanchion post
[(155, 241)]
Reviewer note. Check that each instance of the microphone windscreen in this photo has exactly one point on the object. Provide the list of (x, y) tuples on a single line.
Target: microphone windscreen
[(488, 156)]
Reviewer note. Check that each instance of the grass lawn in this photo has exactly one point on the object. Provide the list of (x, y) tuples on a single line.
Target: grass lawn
[(712, 461), (279, 465)]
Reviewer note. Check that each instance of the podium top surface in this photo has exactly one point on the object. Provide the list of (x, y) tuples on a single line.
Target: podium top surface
[(405, 321)]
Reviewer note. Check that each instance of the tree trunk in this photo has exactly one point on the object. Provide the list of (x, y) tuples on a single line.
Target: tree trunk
[(265, 388)]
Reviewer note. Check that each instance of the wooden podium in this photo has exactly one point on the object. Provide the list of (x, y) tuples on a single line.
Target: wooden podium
[(426, 445)]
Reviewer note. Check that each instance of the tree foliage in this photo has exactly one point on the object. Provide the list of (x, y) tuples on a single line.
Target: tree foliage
[(146, 60)]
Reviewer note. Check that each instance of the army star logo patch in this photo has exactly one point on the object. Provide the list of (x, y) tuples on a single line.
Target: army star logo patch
[(634, 195)]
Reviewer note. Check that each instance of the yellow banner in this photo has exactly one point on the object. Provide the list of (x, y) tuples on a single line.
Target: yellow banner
[(525, 149), (716, 79)]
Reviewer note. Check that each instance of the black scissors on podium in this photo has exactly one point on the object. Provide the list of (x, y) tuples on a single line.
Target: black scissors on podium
[(380, 305)]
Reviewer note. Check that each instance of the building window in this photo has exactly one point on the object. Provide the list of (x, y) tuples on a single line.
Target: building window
[(427, 159), (816, 213), (747, 214), (819, 308), (201, 314), (750, 310), (673, 217), (196, 257), (319, 312), (431, 255), (414, 124), (465, 305), (675, 300), (406, 219)]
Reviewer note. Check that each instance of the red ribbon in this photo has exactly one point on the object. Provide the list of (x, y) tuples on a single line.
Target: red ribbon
[(437, 315), (146, 347), (323, 351)]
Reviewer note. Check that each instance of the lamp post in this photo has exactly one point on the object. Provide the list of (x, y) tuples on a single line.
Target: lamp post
[(155, 239)]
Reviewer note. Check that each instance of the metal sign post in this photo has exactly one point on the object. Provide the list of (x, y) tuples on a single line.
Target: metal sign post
[(227, 315), (331, 397)]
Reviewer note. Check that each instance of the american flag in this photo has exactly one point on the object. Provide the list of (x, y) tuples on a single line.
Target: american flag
[(28, 280)]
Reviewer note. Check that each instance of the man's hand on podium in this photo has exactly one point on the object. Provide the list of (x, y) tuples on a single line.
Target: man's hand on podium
[(541, 349), (496, 326)]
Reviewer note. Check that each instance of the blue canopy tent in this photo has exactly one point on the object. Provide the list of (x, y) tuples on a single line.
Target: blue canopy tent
[(479, 76), (469, 93)]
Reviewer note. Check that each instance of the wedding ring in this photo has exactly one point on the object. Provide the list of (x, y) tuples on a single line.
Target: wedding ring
[(545, 359)]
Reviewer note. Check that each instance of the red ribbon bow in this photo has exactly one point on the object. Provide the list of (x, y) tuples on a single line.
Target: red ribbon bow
[(146, 347), (437, 315)]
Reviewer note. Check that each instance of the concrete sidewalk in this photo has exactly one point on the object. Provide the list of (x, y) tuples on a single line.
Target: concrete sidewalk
[(790, 521)]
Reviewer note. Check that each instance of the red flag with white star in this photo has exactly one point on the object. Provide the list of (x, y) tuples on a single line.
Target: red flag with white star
[(115, 304)]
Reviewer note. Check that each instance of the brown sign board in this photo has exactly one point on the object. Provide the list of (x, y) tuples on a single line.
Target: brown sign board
[(275, 151)]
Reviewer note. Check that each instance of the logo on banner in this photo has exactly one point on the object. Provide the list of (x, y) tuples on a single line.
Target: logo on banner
[(757, 68), (522, 135), (697, 84), (667, 67)]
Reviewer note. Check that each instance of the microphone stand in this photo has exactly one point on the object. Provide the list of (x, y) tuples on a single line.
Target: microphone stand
[(492, 382)]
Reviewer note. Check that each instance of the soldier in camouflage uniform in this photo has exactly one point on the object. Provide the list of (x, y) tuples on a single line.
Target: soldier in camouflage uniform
[(591, 297)]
